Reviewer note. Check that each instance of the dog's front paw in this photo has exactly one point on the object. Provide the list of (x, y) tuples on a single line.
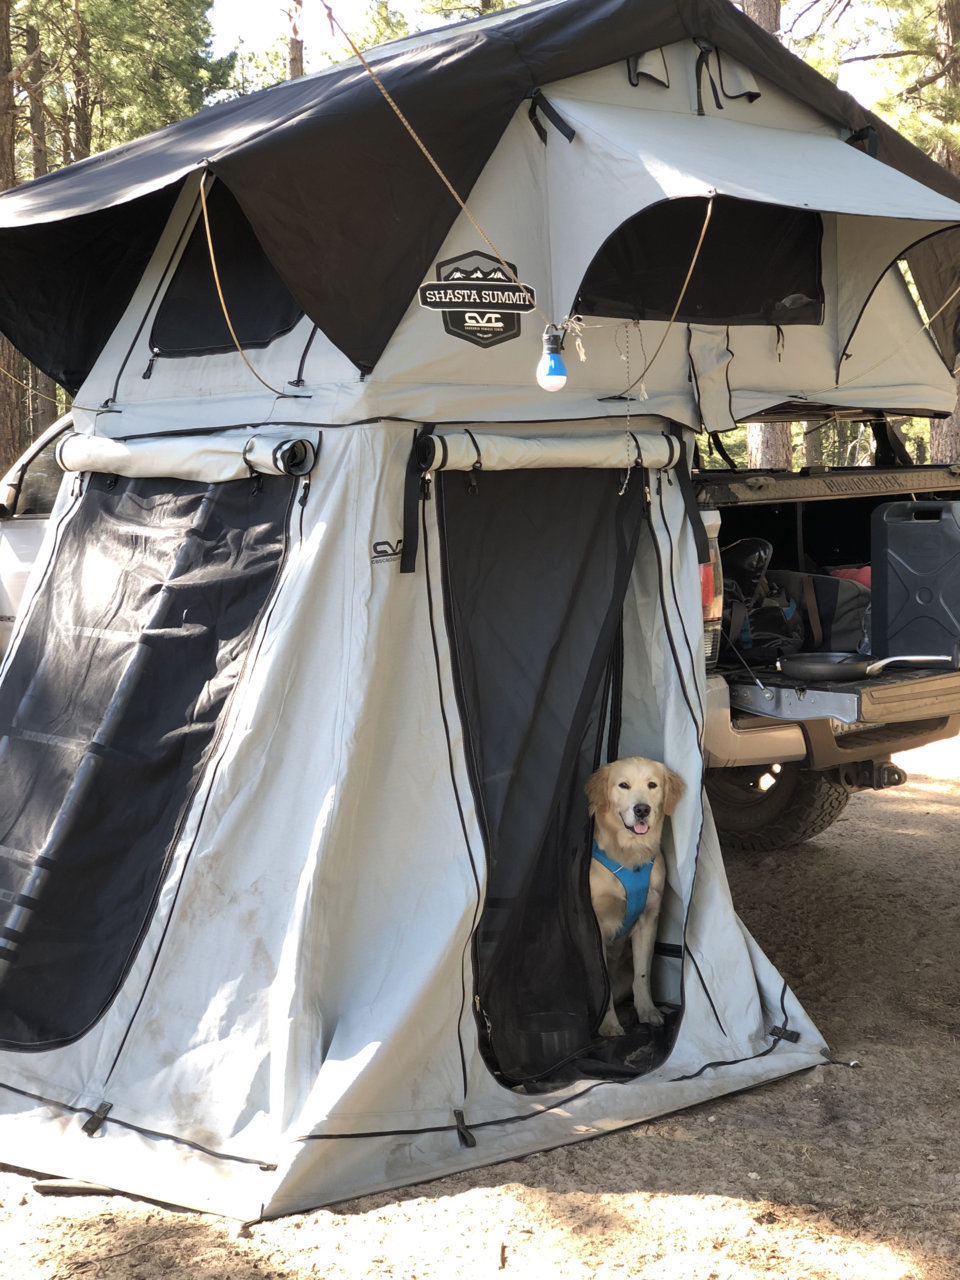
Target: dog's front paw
[(610, 1026), (649, 1014)]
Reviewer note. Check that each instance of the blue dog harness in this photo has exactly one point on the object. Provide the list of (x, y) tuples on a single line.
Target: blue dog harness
[(636, 881)]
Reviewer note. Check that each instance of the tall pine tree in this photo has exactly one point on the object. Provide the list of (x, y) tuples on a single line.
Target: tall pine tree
[(10, 393), (912, 48), (769, 444), (77, 76)]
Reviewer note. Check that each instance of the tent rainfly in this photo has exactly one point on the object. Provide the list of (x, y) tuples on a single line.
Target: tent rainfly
[(329, 632)]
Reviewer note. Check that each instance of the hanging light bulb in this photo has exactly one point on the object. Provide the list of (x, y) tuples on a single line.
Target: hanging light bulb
[(551, 371)]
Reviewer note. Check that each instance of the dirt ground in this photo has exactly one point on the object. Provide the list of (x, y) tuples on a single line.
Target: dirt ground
[(844, 1171)]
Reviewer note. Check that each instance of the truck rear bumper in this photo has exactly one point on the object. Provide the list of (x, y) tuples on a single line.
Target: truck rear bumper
[(880, 699)]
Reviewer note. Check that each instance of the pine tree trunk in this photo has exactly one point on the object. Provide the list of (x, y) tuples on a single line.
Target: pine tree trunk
[(765, 13), (83, 98), (7, 103), (945, 438), (812, 444), (44, 400), (10, 359), (295, 43), (769, 446), (945, 432)]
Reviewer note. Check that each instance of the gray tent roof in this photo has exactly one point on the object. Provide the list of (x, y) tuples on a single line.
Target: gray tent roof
[(343, 203)]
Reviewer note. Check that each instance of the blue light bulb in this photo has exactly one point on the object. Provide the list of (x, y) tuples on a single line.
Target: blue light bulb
[(551, 371)]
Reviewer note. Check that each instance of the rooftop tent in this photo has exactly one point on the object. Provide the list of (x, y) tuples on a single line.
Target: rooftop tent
[(109, 208), (298, 712), (828, 243)]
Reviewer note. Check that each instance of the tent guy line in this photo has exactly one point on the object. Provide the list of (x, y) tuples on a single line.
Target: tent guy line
[(285, 395), (683, 290), (335, 26)]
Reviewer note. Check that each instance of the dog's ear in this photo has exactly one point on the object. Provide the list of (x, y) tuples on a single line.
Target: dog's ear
[(673, 788), (596, 790)]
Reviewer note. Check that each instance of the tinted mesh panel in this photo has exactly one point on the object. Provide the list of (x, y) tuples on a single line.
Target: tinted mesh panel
[(759, 264), (536, 566), (190, 321), (107, 712)]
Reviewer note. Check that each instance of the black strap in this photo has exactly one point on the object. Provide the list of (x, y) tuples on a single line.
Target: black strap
[(298, 380), (869, 137), (703, 64), (738, 617), (721, 449), (539, 103), (812, 610), (890, 451), (411, 504), (690, 501), (463, 1133)]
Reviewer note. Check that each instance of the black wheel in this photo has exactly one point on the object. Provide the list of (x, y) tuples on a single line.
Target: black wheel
[(759, 808)]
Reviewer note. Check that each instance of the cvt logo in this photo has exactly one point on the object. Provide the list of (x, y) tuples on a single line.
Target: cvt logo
[(385, 551), (478, 299)]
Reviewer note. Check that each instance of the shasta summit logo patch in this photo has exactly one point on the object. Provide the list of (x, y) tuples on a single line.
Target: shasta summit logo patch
[(477, 298)]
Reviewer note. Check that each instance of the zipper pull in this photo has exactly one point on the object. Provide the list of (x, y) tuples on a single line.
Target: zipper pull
[(148, 371)]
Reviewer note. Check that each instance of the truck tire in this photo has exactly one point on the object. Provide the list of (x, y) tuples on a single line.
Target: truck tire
[(760, 808)]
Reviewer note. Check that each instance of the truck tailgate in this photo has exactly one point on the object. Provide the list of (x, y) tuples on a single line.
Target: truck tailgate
[(886, 698)]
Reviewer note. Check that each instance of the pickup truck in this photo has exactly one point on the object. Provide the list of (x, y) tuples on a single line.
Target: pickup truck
[(27, 494), (783, 753)]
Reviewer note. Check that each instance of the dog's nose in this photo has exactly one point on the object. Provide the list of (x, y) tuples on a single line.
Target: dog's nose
[(641, 811)]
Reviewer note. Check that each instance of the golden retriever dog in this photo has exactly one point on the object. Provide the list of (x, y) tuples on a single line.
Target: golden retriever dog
[(629, 800)]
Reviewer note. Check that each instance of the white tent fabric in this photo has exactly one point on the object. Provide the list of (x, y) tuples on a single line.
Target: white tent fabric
[(710, 357), (338, 992)]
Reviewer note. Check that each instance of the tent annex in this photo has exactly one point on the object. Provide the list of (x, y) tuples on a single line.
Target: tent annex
[(299, 709)]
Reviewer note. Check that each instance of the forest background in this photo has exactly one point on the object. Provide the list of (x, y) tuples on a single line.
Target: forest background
[(80, 76)]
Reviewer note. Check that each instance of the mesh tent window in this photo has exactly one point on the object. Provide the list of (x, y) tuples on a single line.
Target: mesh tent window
[(759, 264), (108, 710), (536, 566), (189, 319)]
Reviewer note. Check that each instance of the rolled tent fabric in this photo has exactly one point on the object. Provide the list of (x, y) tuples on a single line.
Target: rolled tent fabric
[(210, 458), (466, 450)]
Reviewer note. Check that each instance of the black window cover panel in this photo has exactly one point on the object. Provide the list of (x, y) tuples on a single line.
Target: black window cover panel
[(759, 264), (190, 321), (536, 565), (108, 710)]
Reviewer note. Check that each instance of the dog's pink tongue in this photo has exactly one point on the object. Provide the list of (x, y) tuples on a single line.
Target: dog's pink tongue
[(641, 829)]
